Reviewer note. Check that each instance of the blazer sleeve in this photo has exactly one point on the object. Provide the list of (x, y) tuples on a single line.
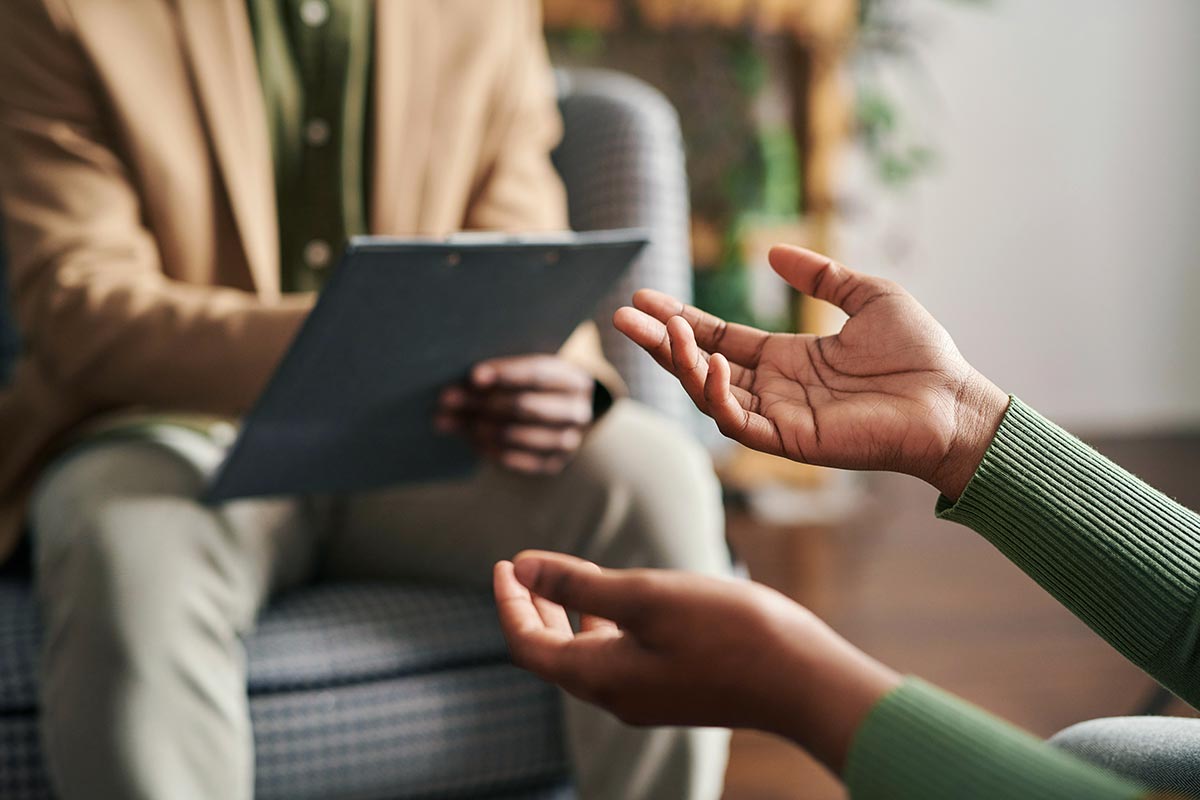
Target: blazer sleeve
[(518, 188), (98, 316)]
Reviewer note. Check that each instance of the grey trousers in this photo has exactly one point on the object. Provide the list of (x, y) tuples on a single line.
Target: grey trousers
[(145, 592)]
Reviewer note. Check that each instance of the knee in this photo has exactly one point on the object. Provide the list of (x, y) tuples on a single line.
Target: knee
[(660, 480), (134, 582)]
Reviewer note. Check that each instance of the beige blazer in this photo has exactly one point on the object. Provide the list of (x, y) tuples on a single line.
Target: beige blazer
[(137, 190)]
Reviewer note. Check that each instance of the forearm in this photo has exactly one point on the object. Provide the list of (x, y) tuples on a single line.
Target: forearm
[(825, 696), (1119, 554), (900, 738), (157, 343)]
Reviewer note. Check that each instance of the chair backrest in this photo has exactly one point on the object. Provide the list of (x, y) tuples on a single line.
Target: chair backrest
[(622, 161)]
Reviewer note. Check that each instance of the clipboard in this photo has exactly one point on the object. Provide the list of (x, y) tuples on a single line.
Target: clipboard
[(351, 405)]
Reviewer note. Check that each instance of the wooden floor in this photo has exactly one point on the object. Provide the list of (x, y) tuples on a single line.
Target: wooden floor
[(933, 599)]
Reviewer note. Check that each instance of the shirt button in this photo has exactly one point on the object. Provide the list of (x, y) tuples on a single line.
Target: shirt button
[(314, 12), (317, 254), (316, 132)]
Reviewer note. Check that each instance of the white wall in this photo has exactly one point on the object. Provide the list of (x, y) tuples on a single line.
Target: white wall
[(1059, 238)]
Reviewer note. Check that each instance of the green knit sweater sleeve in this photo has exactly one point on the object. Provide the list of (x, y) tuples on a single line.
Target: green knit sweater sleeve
[(919, 743), (1123, 557), (1120, 555)]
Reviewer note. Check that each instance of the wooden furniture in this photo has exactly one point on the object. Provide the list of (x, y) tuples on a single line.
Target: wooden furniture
[(822, 33)]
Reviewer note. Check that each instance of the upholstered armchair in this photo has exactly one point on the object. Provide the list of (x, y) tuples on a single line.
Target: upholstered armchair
[(396, 691)]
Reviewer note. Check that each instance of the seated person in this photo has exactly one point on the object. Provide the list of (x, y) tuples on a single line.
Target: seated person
[(888, 392), (176, 180)]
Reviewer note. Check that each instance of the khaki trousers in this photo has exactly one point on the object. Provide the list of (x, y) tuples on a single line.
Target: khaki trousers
[(145, 593)]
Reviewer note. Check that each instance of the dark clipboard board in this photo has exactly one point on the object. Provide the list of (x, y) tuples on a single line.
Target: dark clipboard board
[(351, 405)]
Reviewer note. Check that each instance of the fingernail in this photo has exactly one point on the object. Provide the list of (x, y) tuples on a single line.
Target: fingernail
[(453, 398)]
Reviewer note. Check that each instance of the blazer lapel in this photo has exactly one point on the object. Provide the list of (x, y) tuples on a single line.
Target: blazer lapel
[(220, 50), (405, 46)]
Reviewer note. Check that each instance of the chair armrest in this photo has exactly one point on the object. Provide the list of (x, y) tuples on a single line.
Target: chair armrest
[(1162, 753)]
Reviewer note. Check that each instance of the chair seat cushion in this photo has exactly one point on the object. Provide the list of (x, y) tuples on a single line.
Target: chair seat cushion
[(334, 634), (357, 691), (472, 732), (316, 637)]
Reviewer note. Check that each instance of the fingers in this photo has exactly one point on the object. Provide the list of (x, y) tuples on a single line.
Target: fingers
[(590, 623), (729, 415), (652, 336), (554, 616), (825, 279), (537, 630), (541, 372), (529, 413), (741, 344), (515, 605), (530, 432), (582, 586), (687, 362), (646, 332), (527, 462), (539, 408), (531, 438), (737, 419), (514, 601), (532, 642)]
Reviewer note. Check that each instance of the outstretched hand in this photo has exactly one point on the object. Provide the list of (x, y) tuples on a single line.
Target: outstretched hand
[(889, 391), (669, 648)]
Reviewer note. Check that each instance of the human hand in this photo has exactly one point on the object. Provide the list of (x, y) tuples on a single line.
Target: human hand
[(669, 648), (529, 413), (889, 391)]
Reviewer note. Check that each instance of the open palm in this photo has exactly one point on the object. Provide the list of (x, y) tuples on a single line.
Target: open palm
[(886, 392)]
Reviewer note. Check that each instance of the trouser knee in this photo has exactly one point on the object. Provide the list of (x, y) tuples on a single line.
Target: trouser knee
[(661, 496), (127, 562)]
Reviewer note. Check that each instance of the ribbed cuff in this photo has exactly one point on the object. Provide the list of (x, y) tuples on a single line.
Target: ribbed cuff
[(921, 743), (1120, 555)]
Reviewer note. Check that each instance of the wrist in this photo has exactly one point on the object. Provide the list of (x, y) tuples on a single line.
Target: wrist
[(979, 410), (828, 694)]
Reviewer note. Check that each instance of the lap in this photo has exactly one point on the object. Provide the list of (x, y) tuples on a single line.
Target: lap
[(120, 516), (130, 504), (633, 462)]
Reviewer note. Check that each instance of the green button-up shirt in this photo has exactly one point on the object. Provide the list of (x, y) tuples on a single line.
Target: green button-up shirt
[(314, 60)]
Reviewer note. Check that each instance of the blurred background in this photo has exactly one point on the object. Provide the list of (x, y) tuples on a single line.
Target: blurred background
[(1031, 171)]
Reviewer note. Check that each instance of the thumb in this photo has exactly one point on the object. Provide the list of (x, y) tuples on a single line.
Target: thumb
[(825, 279), (579, 585)]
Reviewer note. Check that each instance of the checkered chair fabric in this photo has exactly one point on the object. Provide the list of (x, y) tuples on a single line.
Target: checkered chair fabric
[(399, 692), (357, 691)]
